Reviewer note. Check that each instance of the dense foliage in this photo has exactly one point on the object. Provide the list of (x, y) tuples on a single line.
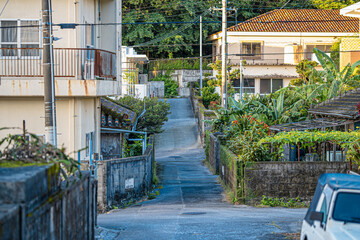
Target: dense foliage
[(180, 40), (170, 85), (246, 122), (178, 64), (155, 115), (332, 4), (210, 96)]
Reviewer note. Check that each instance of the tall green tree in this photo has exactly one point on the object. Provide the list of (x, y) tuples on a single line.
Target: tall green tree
[(186, 35)]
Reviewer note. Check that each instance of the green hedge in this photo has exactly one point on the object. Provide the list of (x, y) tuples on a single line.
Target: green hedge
[(179, 64)]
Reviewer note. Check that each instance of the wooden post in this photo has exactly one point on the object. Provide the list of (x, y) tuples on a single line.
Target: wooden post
[(298, 152)]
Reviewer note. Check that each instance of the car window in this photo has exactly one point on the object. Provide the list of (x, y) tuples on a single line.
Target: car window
[(324, 209), (347, 207)]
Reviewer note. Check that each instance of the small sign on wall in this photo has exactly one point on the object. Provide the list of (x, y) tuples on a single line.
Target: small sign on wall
[(129, 183)]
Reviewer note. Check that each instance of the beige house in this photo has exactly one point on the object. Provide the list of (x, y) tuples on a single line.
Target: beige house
[(350, 47), (85, 69), (275, 42)]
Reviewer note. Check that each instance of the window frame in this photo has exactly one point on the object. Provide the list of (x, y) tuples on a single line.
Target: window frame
[(271, 85), (260, 57), (18, 42), (245, 88), (308, 54)]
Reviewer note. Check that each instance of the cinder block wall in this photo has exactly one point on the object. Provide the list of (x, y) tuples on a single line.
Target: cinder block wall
[(120, 180)]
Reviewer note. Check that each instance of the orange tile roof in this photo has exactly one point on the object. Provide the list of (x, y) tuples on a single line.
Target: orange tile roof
[(299, 20)]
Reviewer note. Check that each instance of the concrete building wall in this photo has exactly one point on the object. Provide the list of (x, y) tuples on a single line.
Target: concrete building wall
[(280, 53), (123, 179), (69, 11), (107, 33), (75, 117)]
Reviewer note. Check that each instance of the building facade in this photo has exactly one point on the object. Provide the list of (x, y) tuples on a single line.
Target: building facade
[(273, 43), (85, 59)]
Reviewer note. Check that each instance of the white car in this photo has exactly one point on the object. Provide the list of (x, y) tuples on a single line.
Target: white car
[(334, 213)]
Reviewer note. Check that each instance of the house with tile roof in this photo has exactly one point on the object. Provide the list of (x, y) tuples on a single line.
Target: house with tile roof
[(350, 47), (275, 42)]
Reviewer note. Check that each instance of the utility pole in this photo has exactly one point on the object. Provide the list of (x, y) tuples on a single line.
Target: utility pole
[(223, 57), (201, 56), (49, 98), (119, 44)]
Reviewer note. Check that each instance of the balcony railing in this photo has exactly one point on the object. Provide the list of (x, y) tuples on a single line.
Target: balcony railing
[(77, 63)]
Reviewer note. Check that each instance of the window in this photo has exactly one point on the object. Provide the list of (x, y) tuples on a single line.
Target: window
[(347, 207), (270, 85), (248, 85), (24, 34), (324, 210), (310, 49), (251, 50)]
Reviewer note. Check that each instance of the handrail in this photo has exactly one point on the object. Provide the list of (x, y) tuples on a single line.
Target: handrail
[(78, 63)]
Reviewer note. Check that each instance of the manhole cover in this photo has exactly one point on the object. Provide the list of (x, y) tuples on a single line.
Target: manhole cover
[(193, 213)]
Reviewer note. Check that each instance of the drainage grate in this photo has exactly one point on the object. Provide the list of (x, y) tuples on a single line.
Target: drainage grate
[(193, 213)]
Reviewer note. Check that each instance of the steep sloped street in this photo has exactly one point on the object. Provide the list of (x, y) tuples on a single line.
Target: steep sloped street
[(191, 204)]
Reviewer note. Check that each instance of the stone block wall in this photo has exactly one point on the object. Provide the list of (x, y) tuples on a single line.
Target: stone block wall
[(201, 114), (287, 179), (120, 180), (57, 211), (214, 154), (228, 169), (272, 179)]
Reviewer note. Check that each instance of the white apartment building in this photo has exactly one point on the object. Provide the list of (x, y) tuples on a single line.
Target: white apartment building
[(84, 68)]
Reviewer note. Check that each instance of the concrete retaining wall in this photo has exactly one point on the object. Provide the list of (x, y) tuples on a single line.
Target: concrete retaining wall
[(43, 208), (123, 179), (182, 76)]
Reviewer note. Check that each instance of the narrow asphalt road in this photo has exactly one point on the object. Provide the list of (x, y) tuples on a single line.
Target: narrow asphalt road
[(191, 204)]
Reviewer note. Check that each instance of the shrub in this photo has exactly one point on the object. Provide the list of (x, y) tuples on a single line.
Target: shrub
[(155, 115), (170, 85), (209, 95), (17, 151)]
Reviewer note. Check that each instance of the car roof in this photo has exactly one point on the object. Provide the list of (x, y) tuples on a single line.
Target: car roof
[(340, 181)]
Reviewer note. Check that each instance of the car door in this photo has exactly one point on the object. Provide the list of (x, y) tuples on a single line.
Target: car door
[(319, 228)]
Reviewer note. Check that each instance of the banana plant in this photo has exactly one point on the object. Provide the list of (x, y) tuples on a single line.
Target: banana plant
[(334, 81)]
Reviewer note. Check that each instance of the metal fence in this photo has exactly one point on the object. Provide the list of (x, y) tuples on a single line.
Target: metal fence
[(78, 63)]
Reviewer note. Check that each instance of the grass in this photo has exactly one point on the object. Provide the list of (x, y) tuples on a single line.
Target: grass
[(15, 164)]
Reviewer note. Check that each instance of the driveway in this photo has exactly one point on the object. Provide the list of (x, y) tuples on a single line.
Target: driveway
[(192, 204)]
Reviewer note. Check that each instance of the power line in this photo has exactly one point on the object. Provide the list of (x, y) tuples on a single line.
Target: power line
[(180, 22)]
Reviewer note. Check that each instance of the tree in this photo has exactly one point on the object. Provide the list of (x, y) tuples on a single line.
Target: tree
[(332, 4), (304, 71), (332, 81), (186, 11), (155, 115)]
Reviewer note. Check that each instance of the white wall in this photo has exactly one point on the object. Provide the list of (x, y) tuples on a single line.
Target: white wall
[(75, 117)]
